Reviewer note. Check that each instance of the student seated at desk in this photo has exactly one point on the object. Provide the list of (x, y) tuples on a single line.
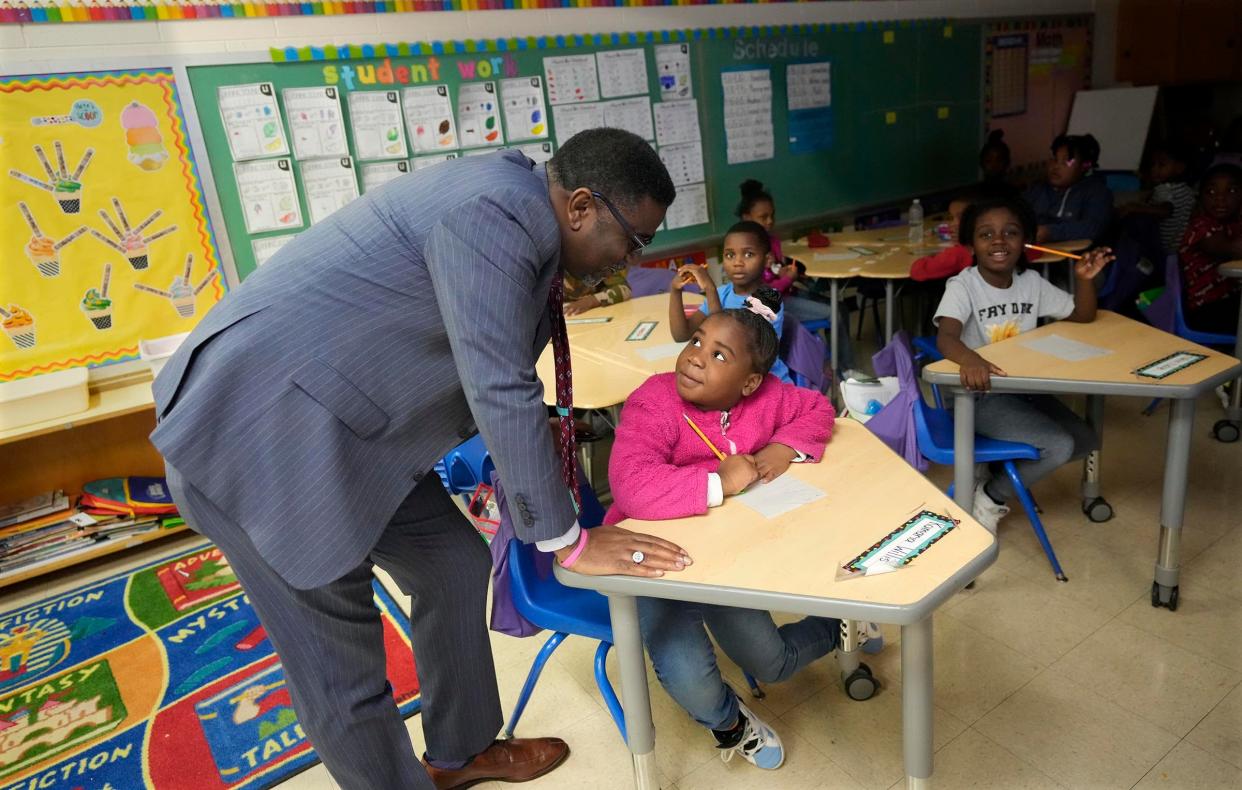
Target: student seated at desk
[(960, 256), (686, 440), (746, 254), (1073, 203), (782, 274), (1213, 237), (998, 299), (580, 297)]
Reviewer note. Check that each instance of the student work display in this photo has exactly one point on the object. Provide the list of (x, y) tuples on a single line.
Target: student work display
[(829, 117), (103, 228)]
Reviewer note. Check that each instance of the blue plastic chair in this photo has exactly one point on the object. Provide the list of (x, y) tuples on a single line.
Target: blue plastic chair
[(466, 466), (925, 353), (567, 610), (934, 430)]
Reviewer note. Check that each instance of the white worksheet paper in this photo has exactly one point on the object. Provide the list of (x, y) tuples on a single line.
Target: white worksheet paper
[(573, 118), (689, 207), (622, 72), (379, 129), (632, 115), (526, 115), (539, 152), (673, 71), (330, 184), (428, 161), (264, 249), (428, 114), (677, 122), (684, 162), (571, 79), (662, 351), (252, 120), (780, 496), (375, 174), (268, 195), (1065, 348), (478, 115), (315, 122), (808, 86), (748, 115)]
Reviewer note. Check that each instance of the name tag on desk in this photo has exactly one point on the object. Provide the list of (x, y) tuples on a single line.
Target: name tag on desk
[(903, 544), (643, 330), (1163, 368)]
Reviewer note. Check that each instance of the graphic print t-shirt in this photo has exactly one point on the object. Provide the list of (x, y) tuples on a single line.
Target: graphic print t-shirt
[(990, 315)]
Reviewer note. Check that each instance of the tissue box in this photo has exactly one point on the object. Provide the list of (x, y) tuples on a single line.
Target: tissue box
[(157, 350), (46, 397)]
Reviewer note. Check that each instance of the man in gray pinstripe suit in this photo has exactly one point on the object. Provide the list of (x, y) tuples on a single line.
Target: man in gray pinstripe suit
[(301, 419)]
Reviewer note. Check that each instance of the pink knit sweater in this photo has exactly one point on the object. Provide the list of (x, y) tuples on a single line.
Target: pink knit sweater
[(659, 466)]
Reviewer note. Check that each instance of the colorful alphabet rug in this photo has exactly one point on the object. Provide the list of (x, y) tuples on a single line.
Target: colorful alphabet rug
[(160, 678)]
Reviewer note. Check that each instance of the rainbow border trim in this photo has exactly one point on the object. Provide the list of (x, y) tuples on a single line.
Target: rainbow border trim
[(50, 11), (472, 46)]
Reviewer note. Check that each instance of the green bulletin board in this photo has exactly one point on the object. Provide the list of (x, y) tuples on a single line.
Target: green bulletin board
[(905, 115)]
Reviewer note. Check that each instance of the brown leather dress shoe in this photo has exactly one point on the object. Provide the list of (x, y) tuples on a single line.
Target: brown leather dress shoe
[(514, 760)]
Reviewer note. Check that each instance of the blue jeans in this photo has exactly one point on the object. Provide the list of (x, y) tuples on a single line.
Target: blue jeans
[(685, 662)]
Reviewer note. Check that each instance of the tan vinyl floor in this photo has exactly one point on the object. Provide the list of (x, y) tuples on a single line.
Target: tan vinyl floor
[(1038, 684)]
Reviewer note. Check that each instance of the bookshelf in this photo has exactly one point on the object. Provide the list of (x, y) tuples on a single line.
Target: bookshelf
[(108, 439)]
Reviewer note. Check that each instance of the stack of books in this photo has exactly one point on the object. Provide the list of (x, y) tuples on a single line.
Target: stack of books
[(47, 528)]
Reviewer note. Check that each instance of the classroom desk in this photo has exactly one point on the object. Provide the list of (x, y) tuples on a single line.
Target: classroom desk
[(788, 564), (1132, 345), (1227, 430), (607, 367)]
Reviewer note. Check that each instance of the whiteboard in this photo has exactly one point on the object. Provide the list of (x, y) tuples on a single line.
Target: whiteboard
[(1119, 118)]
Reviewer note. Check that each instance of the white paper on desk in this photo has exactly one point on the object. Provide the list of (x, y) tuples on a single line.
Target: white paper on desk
[(663, 351), (780, 496), (1065, 348), (834, 256)]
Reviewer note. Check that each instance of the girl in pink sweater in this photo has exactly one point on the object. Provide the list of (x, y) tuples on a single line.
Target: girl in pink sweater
[(661, 469)]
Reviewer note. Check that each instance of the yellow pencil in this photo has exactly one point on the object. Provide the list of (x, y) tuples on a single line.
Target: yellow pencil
[(1062, 253), (703, 436)]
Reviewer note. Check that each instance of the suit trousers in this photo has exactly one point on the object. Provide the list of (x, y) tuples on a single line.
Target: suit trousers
[(329, 639)]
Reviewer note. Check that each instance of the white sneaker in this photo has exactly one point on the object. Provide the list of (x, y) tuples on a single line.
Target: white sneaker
[(759, 745), (985, 511)]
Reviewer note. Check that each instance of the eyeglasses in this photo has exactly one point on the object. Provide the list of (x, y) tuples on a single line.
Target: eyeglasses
[(638, 243)]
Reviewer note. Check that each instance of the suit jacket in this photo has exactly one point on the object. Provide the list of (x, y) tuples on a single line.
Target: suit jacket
[(308, 403)]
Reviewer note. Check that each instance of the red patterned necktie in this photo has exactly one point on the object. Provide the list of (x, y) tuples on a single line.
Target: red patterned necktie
[(564, 386)]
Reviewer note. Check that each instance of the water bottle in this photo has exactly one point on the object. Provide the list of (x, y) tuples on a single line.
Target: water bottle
[(916, 222)]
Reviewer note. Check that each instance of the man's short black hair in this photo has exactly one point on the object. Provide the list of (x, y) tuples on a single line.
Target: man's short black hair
[(620, 165)]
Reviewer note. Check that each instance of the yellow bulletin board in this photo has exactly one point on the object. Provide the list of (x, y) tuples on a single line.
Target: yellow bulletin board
[(104, 238)]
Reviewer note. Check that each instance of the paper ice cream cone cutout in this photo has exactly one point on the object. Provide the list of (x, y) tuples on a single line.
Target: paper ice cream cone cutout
[(19, 325), (42, 253), (142, 135), (129, 240), (96, 304)]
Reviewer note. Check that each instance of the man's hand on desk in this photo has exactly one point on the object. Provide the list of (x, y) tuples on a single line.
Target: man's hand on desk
[(610, 550)]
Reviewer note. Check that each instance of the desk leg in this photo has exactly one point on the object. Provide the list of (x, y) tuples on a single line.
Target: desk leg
[(1094, 506), (834, 333), (1173, 503), (916, 702), (964, 449), (1230, 428), (635, 699), (888, 311)]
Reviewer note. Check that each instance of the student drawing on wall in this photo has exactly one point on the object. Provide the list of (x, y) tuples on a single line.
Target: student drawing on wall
[(65, 186)]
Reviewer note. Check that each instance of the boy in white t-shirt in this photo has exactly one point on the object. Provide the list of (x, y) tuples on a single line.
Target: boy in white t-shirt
[(996, 299)]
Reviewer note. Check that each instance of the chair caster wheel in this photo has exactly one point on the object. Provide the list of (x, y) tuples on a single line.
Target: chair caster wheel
[(1097, 510), (861, 684), (1226, 431)]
